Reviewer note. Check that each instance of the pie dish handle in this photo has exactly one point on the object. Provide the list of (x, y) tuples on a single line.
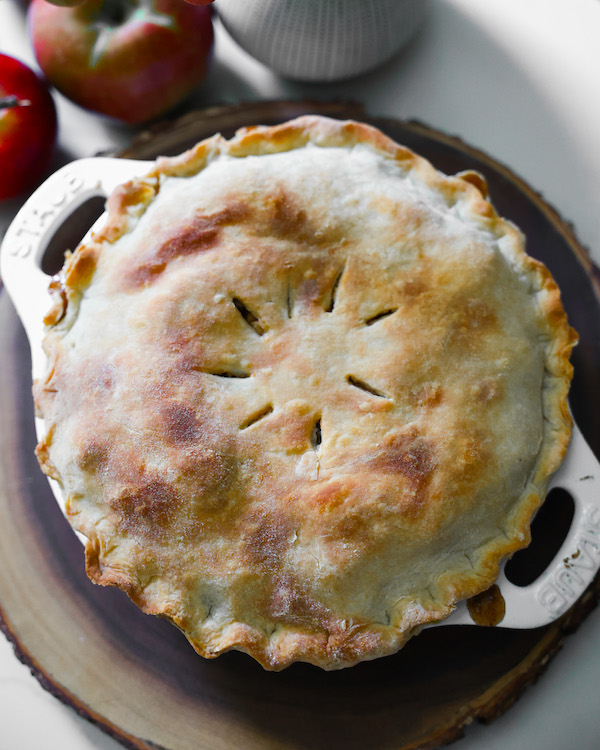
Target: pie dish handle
[(576, 563), (34, 226)]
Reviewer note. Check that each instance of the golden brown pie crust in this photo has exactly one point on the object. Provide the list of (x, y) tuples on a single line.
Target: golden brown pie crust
[(304, 392)]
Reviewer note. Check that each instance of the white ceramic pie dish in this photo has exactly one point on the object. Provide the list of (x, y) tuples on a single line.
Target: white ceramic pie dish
[(50, 207)]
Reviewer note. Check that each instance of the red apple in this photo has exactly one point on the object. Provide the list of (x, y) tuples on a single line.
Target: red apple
[(129, 59), (27, 127)]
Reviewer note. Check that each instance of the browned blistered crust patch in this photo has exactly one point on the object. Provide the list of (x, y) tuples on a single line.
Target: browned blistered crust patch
[(304, 392), (200, 235)]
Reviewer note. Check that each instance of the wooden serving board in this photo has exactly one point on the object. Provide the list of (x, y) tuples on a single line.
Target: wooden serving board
[(137, 677)]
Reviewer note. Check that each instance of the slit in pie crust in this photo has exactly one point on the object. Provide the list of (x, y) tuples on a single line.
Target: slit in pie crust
[(304, 392)]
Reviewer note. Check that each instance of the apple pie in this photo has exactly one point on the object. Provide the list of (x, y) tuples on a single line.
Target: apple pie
[(304, 392)]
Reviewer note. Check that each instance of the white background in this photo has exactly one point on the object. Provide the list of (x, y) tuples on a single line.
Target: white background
[(519, 79)]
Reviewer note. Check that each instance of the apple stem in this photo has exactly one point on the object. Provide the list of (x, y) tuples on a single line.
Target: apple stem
[(8, 102)]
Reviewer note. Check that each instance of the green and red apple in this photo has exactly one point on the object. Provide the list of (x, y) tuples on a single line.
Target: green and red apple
[(130, 59)]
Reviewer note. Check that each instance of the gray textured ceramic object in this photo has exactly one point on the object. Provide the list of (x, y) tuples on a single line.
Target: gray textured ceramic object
[(321, 40)]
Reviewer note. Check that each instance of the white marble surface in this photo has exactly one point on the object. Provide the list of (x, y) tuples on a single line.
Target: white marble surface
[(519, 79)]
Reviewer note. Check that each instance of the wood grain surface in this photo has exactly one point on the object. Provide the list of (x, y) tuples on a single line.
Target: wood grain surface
[(137, 677)]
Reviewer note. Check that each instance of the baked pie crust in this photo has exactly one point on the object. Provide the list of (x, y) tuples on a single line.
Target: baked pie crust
[(304, 392)]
